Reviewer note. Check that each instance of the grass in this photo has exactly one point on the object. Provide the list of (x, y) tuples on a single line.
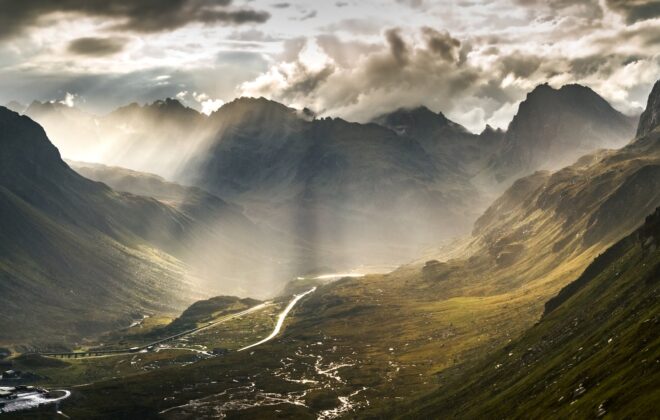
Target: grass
[(598, 351)]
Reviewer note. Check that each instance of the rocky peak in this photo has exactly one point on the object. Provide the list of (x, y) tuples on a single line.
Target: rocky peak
[(650, 118), (25, 148)]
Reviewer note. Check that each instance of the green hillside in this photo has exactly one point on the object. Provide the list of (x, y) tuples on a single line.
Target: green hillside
[(594, 353)]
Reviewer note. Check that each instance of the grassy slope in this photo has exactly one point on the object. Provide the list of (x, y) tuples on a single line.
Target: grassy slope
[(598, 348), (59, 281)]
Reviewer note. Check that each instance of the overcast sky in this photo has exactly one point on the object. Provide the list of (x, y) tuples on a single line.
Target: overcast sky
[(474, 60)]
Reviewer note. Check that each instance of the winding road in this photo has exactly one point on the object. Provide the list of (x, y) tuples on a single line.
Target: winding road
[(149, 346), (280, 319)]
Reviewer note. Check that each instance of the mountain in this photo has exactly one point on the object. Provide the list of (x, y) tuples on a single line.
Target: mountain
[(497, 327), (226, 250), (16, 107), (553, 127), (76, 257), (591, 355), (384, 191), (343, 186), (74, 131), (189, 200), (157, 137), (449, 143), (650, 118)]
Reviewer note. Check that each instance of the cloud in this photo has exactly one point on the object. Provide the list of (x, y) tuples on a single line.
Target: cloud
[(252, 35), (631, 10), (636, 10), (200, 101), (398, 73), (282, 5), (308, 15), (474, 81), (69, 100), (397, 46), (97, 46), (357, 26), (442, 43), (415, 4), (138, 16)]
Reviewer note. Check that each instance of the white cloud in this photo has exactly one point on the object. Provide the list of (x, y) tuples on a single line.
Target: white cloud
[(209, 106), (69, 100)]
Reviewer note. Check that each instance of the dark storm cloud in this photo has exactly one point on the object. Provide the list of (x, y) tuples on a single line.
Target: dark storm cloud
[(520, 65), (134, 15), (636, 10), (97, 46), (442, 43), (397, 46)]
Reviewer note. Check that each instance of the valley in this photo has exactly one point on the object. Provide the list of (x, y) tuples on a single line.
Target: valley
[(222, 309)]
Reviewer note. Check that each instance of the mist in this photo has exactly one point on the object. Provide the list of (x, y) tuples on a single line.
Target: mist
[(270, 193)]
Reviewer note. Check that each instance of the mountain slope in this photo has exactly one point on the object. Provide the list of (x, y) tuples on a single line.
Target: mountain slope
[(384, 191), (227, 251), (593, 353), (71, 246)]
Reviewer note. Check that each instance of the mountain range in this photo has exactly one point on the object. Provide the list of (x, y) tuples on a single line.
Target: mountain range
[(550, 303), (385, 190)]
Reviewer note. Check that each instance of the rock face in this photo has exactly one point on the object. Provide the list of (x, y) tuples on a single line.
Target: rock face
[(449, 143), (554, 127), (650, 118)]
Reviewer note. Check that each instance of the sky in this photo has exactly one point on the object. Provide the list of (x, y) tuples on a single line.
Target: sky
[(473, 60)]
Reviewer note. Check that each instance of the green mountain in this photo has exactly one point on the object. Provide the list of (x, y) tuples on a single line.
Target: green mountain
[(78, 258), (225, 249), (593, 353)]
